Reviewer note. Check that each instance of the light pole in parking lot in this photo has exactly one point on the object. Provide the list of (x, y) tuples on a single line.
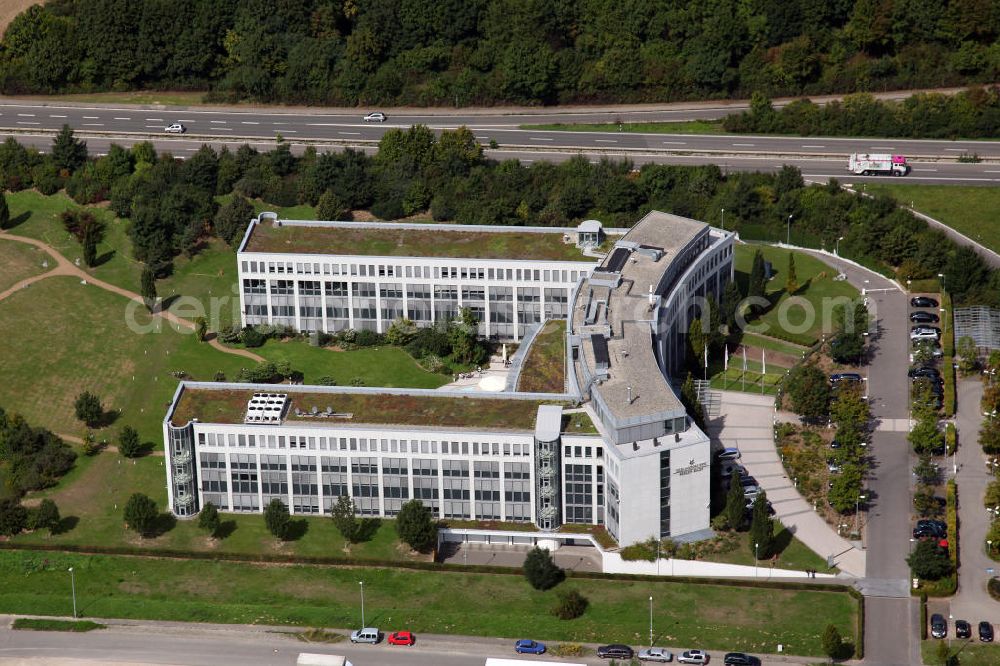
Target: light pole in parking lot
[(72, 584), (651, 620), (943, 288), (857, 514), (755, 547), (837, 251), (989, 548), (788, 231)]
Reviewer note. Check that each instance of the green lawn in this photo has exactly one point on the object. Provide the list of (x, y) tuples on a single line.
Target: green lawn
[(34, 624), (385, 366), (91, 502), (803, 320), (64, 337), (37, 216), (298, 212), (713, 617), (205, 285), (970, 210), (171, 98), (544, 367), (19, 261), (794, 554), (772, 344), (680, 127), (969, 652)]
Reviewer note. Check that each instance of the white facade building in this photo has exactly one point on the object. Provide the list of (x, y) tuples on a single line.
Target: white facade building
[(639, 466)]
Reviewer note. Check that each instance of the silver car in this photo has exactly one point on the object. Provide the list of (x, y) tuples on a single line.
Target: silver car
[(657, 654), (176, 128), (375, 117), (692, 657)]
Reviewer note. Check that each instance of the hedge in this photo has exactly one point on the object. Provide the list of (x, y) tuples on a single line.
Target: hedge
[(951, 518), (923, 616), (950, 438), (948, 404), (947, 330)]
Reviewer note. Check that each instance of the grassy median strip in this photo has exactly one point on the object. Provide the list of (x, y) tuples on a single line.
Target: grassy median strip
[(710, 616), (679, 127), (33, 624)]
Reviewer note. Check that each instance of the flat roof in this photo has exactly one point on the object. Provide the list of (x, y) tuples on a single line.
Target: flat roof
[(228, 405), (635, 387), (413, 240)]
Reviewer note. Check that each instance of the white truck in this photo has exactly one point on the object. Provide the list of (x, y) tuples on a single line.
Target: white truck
[(877, 164), (313, 659)]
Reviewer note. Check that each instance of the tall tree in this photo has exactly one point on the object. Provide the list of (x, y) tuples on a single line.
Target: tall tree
[(141, 514), (757, 282), (540, 570), (148, 288), (4, 211), (345, 520), (89, 244), (735, 503), (415, 526), (277, 519), (46, 516), (791, 279), (88, 409), (730, 304), (68, 152), (128, 442), (761, 528), (689, 396), (208, 519), (232, 219)]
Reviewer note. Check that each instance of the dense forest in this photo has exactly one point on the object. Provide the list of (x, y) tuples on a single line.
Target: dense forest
[(174, 204), (467, 52)]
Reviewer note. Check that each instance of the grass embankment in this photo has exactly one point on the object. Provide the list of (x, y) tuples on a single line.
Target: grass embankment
[(19, 261), (544, 367), (34, 624), (679, 127), (969, 653), (168, 97), (970, 210), (792, 553), (91, 498), (800, 318), (710, 616)]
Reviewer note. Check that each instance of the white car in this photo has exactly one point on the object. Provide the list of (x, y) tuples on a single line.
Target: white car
[(376, 117), (692, 657), (176, 128), (920, 333), (661, 655)]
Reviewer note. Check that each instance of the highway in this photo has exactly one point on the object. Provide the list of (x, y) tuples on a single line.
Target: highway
[(819, 157)]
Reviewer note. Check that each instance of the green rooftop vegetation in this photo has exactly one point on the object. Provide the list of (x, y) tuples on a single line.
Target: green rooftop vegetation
[(388, 242), (229, 406), (544, 367)]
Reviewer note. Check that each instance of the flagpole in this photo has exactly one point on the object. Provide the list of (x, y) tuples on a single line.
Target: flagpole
[(763, 370), (706, 362), (743, 375)]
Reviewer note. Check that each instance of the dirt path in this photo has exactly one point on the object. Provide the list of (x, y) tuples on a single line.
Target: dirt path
[(64, 267)]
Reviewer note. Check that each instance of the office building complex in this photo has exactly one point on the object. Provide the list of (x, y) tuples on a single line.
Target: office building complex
[(616, 448)]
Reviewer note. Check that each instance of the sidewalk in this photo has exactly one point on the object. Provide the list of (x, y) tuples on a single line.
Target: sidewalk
[(746, 422), (972, 602)]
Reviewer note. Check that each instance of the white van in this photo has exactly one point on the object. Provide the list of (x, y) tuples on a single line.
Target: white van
[(366, 635)]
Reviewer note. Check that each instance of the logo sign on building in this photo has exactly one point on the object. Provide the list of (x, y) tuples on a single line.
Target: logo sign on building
[(692, 468)]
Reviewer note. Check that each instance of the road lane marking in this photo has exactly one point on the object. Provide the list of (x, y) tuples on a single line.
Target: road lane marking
[(675, 143), (25, 115), (123, 118), (91, 118), (606, 140), (354, 133), (52, 116), (988, 171), (538, 138), (279, 123), (324, 124), (815, 146), (152, 127), (26, 122), (150, 120), (217, 122), (249, 122), (882, 148), (925, 170), (749, 145), (93, 124), (955, 150)]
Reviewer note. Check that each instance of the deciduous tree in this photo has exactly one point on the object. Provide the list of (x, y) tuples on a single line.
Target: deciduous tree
[(88, 409), (415, 526), (208, 519), (277, 519), (141, 514)]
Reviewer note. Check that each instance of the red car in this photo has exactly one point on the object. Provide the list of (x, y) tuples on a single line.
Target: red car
[(401, 638)]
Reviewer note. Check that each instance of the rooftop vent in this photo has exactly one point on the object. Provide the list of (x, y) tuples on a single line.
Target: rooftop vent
[(266, 408)]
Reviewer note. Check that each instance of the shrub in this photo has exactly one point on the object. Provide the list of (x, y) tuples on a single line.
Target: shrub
[(833, 644), (277, 519), (140, 514), (950, 438), (929, 561), (542, 573), (46, 517), (88, 409), (642, 550), (13, 517), (251, 337), (208, 519), (128, 442), (570, 606), (415, 526)]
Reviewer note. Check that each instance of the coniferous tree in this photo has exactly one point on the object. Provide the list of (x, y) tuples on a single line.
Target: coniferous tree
[(140, 514), (757, 282), (4, 211), (541, 571), (208, 519), (68, 152), (735, 503), (277, 519), (791, 280), (761, 528), (148, 288), (415, 526)]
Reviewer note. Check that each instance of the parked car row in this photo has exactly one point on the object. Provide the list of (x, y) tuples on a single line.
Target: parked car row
[(939, 629), (372, 636), (653, 654)]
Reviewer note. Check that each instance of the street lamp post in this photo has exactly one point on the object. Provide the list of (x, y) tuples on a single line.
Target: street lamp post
[(857, 514), (72, 584), (755, 547), (657, 559), (989, 548), (788, 231), (943, 282), (650, 620), (362, 584), (723, 219), (837, 251)]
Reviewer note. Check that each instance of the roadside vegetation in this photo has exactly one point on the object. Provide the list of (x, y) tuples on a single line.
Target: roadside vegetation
[(678, 127), (169, 589), (493, 51), (38, 624)]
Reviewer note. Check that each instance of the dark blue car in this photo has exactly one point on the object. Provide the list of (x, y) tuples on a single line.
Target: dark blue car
[(526, 646)]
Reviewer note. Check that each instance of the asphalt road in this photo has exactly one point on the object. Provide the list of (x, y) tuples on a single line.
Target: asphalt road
[(217, 645), (818, 157)]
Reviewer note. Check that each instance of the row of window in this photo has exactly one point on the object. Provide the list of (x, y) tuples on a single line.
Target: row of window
[(418, 272), (303, 442)]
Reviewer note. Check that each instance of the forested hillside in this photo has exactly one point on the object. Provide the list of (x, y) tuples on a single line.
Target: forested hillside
[(465, 52)]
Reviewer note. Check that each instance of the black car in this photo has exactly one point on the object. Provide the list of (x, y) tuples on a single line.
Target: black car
[(614, 651), (985, 632), (740, 659), (923, 371), (922, 317), (963, 629), (923, 302), (930, 528), (939, 626), (844, 377)]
